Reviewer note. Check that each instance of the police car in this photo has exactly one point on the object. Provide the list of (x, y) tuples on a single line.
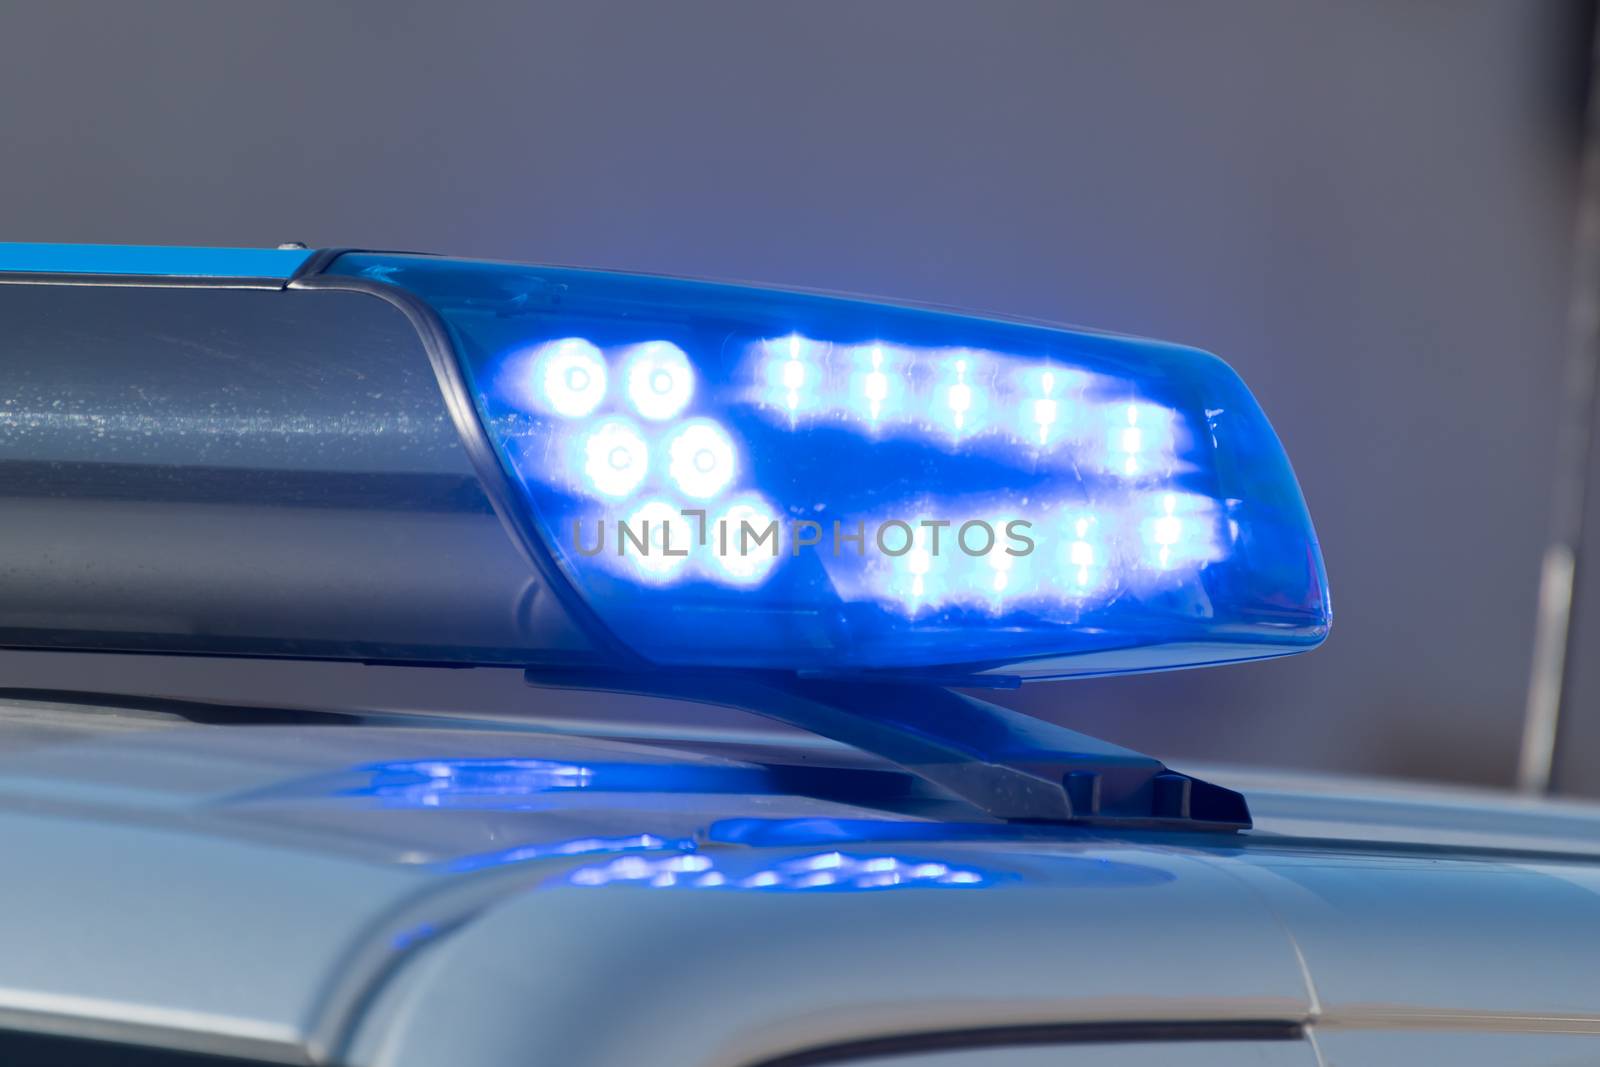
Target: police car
[(665, 495)]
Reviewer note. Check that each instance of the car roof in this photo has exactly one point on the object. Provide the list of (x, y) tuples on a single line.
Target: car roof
[(377, 881)]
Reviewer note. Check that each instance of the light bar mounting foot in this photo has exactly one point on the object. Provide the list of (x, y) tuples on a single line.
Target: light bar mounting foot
[(1009, 765)]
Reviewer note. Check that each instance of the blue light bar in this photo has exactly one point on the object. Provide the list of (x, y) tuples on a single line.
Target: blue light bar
[(738, 477), (152, 260)]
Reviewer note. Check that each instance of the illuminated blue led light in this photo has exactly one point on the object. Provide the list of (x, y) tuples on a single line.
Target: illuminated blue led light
[(1050, 402), (1003, 577), (1045, 408), (701, 459), (793, 369), (615, 458), (961, 397), (980, 564), (1084, 556), (1139, 438), (914, 564), (1179, 530), (741, 552), (655, 541), (571, 376), (878, 384), (823, 872), (660, 380), (924, 579), (1165, 526)]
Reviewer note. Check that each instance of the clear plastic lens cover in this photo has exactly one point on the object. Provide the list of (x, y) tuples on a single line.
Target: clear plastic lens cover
[(731, 476)]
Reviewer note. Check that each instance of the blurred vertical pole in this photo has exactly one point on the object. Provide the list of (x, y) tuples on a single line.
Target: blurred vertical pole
[(1541, 726)]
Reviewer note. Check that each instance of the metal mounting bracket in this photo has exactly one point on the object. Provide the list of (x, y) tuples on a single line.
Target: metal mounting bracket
[(1009, 765)]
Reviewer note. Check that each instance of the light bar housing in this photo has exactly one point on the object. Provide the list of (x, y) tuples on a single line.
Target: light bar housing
[(403, 458), (722, 476)]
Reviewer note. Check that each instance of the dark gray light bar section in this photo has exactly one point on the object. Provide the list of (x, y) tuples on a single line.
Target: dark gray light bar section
[(246, 472)]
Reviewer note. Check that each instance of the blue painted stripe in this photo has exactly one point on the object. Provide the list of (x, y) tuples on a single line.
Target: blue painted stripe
[(152, 260)]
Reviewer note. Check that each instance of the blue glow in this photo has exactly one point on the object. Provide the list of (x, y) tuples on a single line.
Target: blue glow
[(701, 459), (660, 380), (451, 783), (615, 458), (416, 935), (1160, 524), (821, 872), (523, 784)]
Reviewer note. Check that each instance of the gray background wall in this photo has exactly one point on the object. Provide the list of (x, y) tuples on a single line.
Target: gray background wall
[(1365, 207)]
